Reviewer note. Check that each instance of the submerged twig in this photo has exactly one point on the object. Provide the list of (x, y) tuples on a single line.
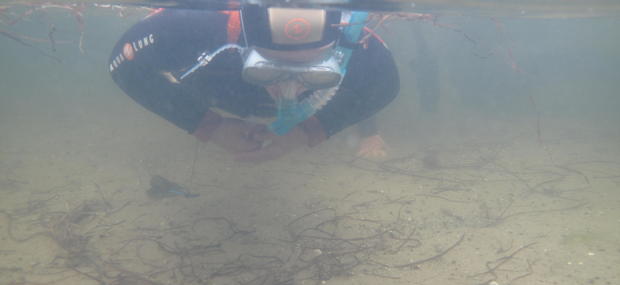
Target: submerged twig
[(19, 39)]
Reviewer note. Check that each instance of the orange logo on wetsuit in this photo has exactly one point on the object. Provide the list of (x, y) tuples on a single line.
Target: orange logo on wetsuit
[(128, 51), (297, 29)]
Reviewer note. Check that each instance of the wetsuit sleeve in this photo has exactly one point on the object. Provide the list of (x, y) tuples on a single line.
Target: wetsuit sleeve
[(372, 81), (148, 56)]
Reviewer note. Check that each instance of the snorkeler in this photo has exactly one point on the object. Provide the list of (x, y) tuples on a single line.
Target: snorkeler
[(259, 82)]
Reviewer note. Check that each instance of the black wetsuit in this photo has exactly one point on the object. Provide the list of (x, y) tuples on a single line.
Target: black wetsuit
[(169, 42)]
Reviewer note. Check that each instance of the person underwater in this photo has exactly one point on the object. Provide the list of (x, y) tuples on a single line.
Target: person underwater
[(258, 82)]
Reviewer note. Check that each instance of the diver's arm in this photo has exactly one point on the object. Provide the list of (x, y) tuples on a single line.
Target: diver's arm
[(371, 83), (146, 61)]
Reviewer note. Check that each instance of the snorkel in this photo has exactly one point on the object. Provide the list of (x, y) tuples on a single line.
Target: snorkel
[(290, 111)]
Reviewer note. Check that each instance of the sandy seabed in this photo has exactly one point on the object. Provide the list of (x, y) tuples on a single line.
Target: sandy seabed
[(472, 202)]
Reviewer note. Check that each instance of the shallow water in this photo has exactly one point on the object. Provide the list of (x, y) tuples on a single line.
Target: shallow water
[(512, 179)]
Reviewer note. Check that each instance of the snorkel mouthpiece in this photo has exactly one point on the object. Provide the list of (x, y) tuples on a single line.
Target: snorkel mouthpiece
[(291, 112)]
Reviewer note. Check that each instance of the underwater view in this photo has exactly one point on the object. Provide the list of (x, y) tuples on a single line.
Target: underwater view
[(309, 142)]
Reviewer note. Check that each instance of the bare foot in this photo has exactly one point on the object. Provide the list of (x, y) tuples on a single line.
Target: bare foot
[(372, 147)]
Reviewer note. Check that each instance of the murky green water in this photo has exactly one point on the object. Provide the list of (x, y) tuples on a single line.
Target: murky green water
[(506, 173)]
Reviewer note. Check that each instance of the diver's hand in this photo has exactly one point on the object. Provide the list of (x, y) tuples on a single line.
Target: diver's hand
[(235, 135), (273, 146)]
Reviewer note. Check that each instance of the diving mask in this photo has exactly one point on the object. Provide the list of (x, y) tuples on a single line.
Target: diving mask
[(321, 74)]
